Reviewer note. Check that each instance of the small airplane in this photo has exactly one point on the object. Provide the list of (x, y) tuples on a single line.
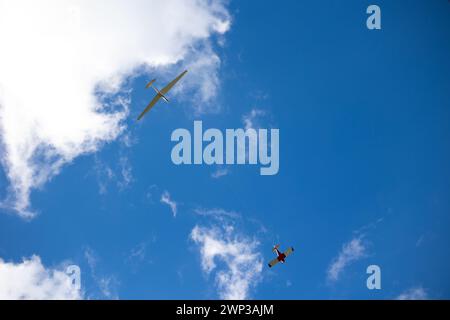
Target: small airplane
[(281, 256), (160, 93)]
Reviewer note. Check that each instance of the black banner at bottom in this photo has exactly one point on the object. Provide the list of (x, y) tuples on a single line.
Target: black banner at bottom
[(218, 309)]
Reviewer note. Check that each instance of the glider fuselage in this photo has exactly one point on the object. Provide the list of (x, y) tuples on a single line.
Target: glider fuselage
[(160, 94)]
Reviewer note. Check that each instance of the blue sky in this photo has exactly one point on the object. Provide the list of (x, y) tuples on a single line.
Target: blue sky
[(364, 130)]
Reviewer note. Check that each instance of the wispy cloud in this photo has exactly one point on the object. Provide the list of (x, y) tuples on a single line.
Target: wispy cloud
[(138, 256), (416, 293), (253, 118), (91, 258), (217, 213), (120, 174), (139, 252), (30, 279), (351, 251), (204, 63), (241, 265), (126, 173), (420, 241), (166, 199), (106, 284), (104, 174), (76, 102), (220, 172)]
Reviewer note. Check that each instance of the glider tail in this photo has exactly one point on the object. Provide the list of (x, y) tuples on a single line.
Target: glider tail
[(150, 84)]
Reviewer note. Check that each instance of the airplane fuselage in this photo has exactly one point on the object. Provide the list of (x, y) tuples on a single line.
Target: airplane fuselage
[(281, 256), (160, 94)]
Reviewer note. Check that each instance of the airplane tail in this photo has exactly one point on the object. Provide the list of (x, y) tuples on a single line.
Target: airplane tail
[(275, 248), (150, 84)]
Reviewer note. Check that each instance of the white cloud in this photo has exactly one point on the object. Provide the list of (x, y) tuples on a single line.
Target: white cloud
[(417, 293), (30, 280), (350, 252), (63, 63), (165, 198), (242, 263)]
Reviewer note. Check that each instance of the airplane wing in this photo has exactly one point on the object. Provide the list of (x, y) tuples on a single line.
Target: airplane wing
[(150, 105), (273, 262), (289, 251), (170, 85)]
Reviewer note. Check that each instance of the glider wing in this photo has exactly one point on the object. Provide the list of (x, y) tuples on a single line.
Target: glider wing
[(174, 81), (150, 105)]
